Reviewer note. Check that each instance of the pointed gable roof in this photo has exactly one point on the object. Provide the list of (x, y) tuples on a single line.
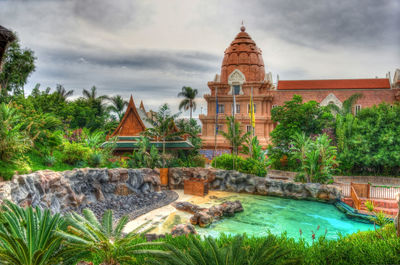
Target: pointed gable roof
[(131, 124), (142, 106)]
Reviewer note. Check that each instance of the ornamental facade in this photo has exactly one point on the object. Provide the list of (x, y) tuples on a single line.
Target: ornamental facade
[(243, 73)]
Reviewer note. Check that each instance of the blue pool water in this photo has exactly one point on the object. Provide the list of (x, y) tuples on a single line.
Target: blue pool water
[(277, 215)]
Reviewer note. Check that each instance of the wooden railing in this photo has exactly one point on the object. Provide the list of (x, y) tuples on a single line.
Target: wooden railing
[(382, 192), (356, 200)]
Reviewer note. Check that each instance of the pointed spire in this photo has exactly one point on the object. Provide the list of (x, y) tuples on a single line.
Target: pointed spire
[(142, 106), (242, 28)]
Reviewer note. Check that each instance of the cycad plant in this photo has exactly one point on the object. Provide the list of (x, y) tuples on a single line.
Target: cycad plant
[(209, 252), (88, 238), (28, 236)]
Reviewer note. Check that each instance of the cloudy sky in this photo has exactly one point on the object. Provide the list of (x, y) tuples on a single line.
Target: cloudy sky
[(152, 48)]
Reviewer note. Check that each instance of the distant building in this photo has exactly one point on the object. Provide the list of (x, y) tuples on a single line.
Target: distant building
[(133, 124), (243, 71)]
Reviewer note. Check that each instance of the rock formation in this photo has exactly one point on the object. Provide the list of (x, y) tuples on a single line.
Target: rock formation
[(183, 229), (204, 217), (119, 189), (230, 180)]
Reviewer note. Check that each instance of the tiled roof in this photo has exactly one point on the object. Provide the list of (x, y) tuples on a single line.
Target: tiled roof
[(372, 83)]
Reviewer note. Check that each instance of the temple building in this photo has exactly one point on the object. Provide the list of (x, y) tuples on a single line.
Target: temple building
[(133, 124), (243, 73)]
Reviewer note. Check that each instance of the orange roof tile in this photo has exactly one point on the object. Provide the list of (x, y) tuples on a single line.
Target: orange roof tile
[(371, 83)]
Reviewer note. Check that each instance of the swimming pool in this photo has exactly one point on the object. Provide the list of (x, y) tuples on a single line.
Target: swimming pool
[(277, 215)]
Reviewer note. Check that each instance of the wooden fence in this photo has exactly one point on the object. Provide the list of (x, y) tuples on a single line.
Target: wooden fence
[(375, 192)]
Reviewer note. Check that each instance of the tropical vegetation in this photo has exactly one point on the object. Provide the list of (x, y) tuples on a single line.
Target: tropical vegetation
[(35, 236)]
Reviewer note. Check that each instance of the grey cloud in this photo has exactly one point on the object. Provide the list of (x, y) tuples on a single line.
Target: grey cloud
[(188, 61), (112, 15), (367, 23)]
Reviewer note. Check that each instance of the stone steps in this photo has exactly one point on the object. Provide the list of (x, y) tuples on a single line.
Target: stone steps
[(388, 207)]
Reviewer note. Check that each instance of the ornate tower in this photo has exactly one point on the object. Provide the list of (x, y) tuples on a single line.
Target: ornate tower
[(242, 71)]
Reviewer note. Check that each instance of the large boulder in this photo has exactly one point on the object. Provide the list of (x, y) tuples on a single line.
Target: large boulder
[(183, 229)]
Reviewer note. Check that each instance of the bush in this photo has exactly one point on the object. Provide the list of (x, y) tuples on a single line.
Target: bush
[(74, 153), (249, 165), (225, 161), (49, 160), (95, 159)]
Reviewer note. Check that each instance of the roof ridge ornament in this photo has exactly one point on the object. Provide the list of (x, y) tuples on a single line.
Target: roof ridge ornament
[(242, 28)]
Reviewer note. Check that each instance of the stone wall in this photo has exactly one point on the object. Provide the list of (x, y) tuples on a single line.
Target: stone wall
[(229, 180), (68, 190)]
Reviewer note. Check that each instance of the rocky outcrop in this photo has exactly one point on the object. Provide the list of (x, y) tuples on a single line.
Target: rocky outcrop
[(183, 229), (72, 190), (204, 217), (233, 181), (178, 175)]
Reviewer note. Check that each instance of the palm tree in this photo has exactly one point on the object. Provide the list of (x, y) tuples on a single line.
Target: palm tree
[(28, 237), (163, 127), (91, 95), (87, 237), (189, 94), (235, 134), (118, 106), (62, 93), (347, 106)]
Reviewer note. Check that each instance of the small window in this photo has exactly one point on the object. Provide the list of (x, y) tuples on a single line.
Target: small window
[(236, 89), (248, 128), (237, 110), (255, 108), (357, 109), (221, 108), (274, 106), (219, 128)]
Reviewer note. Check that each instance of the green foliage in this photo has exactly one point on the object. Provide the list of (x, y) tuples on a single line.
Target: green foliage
[(163, 128), (235, 134), (253, 149), (369, 205), (117, 106), (249, 165), (27, 236), (209, 252), (146, 155), (88, 238), (292, 118), (369, 142), (75, 152), (188, 103), (317, 158), (14, 141), (49, 160), (18, 66)]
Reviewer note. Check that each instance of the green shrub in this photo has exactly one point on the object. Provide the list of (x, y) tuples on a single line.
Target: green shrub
[(95, 159), (49, 160), (75, 152), (249, 165), (225, 161)]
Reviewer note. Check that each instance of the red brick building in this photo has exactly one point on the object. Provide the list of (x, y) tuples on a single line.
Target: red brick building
[(243, 71)]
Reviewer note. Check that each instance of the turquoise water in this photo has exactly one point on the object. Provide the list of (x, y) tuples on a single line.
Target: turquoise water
[(262, 214)]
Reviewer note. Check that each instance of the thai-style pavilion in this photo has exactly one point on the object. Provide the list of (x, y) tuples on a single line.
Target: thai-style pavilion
[(133, 124)]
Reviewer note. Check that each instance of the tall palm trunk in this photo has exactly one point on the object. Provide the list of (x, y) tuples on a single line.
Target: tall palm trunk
[(191, 108)]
